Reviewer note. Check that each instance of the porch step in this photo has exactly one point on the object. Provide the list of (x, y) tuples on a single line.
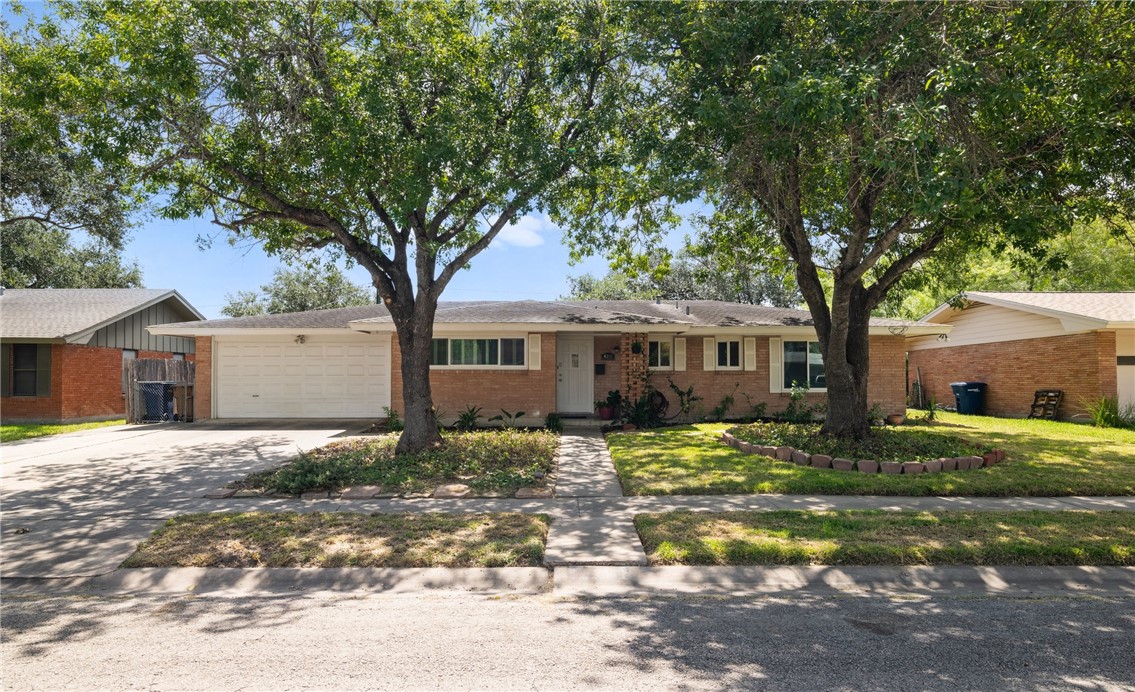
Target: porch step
[(584, 423)]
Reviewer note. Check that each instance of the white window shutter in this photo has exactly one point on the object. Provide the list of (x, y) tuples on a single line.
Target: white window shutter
[(680, 353), (709, 354), (750, 353), (775, 365), (533, 351)]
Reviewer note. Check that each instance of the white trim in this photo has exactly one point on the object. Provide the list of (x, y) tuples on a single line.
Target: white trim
[(808, 363), (498, 337), (679, 354), (1072, 321), (85, 335), (740, 353), (749, 353), (534, 353), (709, 354), (775, 365), (663, 340)]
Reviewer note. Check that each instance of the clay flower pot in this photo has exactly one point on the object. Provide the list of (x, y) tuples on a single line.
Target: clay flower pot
[(896, 419)]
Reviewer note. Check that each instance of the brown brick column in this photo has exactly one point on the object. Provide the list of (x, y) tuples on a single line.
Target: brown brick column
[(632, 366)]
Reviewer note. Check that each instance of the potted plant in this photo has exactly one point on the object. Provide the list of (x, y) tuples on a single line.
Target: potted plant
[(636, 347), (896, 419), (608, 408)]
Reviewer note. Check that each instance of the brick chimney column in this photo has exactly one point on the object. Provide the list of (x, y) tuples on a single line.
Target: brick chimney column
[(632, 366)]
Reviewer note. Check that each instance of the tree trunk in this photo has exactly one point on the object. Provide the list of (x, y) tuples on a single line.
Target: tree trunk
[(415, 337), (846, 364)]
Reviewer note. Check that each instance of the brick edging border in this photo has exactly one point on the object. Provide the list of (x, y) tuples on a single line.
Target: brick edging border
[(823, 461)]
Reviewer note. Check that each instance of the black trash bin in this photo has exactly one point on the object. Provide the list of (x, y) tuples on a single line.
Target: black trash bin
[(158, 397), (969, 397)]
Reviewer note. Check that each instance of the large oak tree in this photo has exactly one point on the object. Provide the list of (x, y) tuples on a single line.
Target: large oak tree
[(406, 134), (866, 137)]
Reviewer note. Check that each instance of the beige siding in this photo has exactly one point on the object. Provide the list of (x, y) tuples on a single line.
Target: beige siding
[(983, 324), (1125, 342)]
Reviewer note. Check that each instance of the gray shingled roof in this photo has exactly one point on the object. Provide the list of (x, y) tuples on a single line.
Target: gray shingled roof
[(1110, 307), (59, 313), (703, 313)]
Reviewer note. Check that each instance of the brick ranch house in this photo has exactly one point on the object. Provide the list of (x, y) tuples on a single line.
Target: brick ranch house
[(62, 350), (531, 356), (1018, 343)]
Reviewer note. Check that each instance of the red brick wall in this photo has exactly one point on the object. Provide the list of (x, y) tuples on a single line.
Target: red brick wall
[(531, 391), (203, 379), (886, 381), (611, 378), (86, 384), (1082, 365)]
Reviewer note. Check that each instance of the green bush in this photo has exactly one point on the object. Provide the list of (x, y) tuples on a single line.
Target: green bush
[(882, 445), (1106, 413)]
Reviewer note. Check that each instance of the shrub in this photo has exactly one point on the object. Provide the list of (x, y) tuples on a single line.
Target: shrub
[(467, 419), (882, 445), (1107, 413)]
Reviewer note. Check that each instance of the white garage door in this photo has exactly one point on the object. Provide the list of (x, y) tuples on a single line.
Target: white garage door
[(326, 377)]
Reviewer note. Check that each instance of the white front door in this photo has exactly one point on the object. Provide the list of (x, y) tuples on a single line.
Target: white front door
[(575, 374)]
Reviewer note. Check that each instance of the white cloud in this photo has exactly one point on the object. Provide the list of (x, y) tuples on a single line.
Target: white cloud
[(526, 232)]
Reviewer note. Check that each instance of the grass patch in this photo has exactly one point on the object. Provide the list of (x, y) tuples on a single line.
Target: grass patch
[(11, 433), (486, 461), (345, 539), (1045, 459), (872, 537), (885, 444)]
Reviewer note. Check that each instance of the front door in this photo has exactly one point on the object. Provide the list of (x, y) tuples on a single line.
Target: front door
[(575, 374)]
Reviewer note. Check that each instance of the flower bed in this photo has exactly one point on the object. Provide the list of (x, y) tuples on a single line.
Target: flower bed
[(886, 451)]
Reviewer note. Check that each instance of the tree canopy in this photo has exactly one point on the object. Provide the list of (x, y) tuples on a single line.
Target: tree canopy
[(696, 273), (316, 287), (864, 138), (407, 135)]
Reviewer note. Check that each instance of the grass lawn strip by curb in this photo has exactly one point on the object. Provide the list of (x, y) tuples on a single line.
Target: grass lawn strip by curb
[(486, 460), (874, 537), (1044, 459), (345, 539), (11, 433)]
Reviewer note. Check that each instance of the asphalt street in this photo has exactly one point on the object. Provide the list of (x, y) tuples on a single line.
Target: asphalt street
[(432, 641)]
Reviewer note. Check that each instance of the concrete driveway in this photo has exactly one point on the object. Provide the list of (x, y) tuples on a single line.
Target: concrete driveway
[(77, 505)]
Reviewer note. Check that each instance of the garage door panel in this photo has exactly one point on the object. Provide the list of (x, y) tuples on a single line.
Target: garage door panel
[(258, 379)]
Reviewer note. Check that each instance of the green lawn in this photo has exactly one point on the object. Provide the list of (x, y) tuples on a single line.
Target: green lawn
[(1045, 458), (11, 433), (345, 539), (860, 537)]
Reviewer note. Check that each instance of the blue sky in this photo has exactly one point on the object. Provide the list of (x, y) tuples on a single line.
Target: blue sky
[(528, 260)]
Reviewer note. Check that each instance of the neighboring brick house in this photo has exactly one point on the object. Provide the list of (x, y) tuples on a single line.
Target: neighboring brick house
[(531, 356), (62, 350), (1018, 343)]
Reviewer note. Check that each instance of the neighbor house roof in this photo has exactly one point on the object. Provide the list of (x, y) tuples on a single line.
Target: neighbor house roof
[(699, 316), (1078, 309), (71, 314)]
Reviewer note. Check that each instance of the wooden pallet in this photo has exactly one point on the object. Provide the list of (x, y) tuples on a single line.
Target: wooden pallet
[(1045, 403)]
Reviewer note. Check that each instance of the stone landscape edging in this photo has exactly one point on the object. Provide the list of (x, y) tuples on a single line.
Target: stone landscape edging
[(798, 457)]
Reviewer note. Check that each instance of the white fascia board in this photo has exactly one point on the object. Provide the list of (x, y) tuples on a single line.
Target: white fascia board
[(936, 312), (158, 329), (908, 330), (1070, 320), (443, 328), (84, 336)]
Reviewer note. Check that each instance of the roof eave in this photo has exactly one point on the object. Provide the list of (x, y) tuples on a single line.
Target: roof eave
[(82, 337)]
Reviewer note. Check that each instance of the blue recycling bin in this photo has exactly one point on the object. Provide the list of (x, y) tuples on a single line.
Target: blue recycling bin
[(969, 397)]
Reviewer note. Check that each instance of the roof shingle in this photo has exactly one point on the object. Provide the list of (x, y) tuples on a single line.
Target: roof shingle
[(57, 313)]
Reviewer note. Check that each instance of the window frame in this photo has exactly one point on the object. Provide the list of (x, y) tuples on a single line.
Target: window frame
[(669, 341), (34, 370), (787, 387), (726, 340), (449, 338)]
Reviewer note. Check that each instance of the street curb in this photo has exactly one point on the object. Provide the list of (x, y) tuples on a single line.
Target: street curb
[(860, 581), (598, 581), (268, 581)]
